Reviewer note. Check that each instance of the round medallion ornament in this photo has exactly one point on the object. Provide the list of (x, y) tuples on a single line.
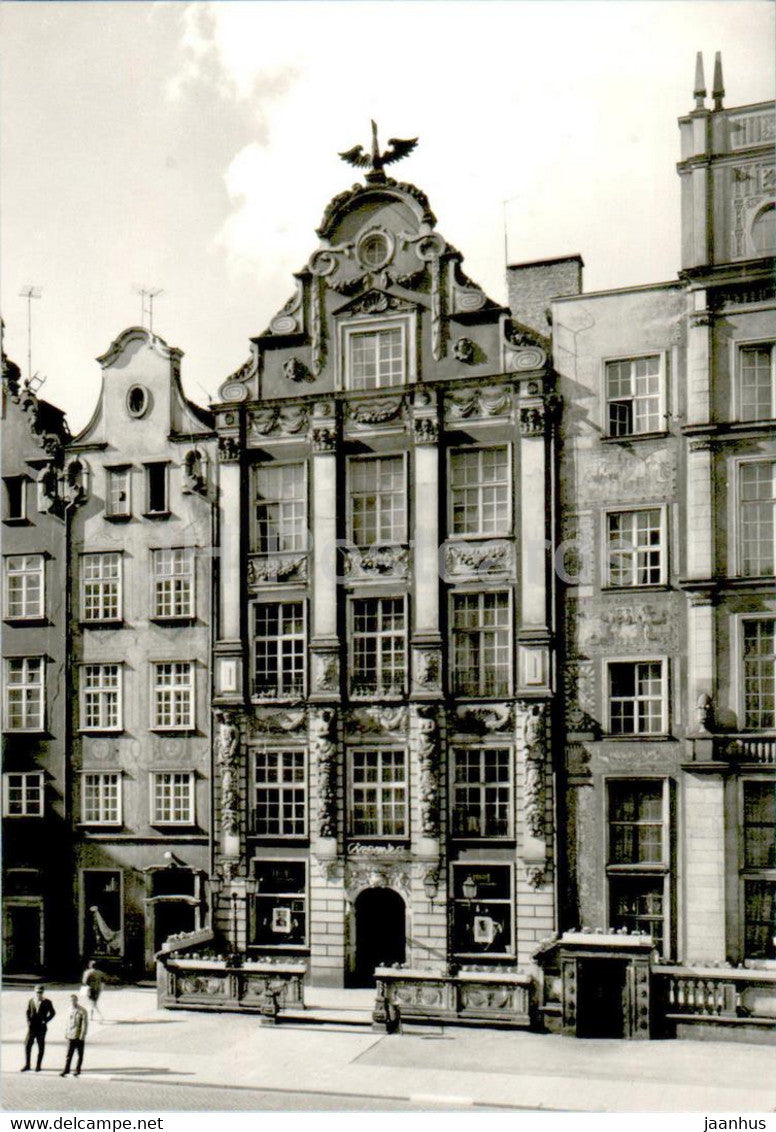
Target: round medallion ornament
[(234, 392)]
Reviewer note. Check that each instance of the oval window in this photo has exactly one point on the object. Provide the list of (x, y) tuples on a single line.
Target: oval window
[(137, 401), (374, 250)]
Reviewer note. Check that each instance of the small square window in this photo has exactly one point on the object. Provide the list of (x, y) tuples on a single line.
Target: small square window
[(635, 548), (101, 587), (379, 791), (637, 698), (634, 396), (173, 696), (24, 587), (101, 798), (16, 498), (757, 382), (117, 493), (172, 582), (101, 697), (172, 798), (23, 794), (24, 693)]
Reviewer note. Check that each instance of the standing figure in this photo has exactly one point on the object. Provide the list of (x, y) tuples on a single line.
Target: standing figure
[(39, 1014), (92, 987), (77, 1025)]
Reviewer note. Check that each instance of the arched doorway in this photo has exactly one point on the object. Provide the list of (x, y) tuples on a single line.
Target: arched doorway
[(380, 933)]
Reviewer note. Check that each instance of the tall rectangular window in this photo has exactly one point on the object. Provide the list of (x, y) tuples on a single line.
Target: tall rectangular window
[(759, 870), (117, 494), (23, 794), (24, 589), (101, 587), (757, 517), (172, 798), (379, 637), (378, 798), (375, 358), (280, 508), (757, 382), (173, 695), (759, 639), (101, 697), (16, 497), (157, 489), (637, 698), (482, 644), (634, 396), (24, 693), (101, 798), (480, 491), (378, 503), (173, 582), (482, 792), (280, 794), (279, 649), (636, 554), (638, 865)]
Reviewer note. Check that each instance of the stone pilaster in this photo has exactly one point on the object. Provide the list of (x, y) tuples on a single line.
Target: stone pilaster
[(228, 675), (426, 639), (704, 869), (533, 660), (700, 557), (698, 360), (324, 640)]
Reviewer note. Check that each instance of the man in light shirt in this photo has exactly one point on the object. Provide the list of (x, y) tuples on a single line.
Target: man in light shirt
[(77, 1025)]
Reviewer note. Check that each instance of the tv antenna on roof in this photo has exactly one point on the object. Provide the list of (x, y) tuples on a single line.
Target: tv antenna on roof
[(30, 292), (147, 296)]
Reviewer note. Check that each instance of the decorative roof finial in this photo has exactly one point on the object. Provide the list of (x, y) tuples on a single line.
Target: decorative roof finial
[(718, 89), (699, 93), (397, 149)]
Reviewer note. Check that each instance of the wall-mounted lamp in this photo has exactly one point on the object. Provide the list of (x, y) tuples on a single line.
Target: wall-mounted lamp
[(431, 884)]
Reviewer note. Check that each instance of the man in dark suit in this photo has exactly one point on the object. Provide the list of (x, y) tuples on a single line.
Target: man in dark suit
[(39, 1014)]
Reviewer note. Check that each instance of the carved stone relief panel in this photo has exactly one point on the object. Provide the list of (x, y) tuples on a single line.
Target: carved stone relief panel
[(477, 402), (277, 421), (426, 741), (479, 559), (377, 720), (325, 665), (323, 749), (227, 752), (622, 624), (276, 568), (483, 719), (377, 873), (380, 562), (380, 412), (630, 472), (427, 669), (278, 721)]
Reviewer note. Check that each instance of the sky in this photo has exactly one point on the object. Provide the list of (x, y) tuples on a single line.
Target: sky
[(193, 147)]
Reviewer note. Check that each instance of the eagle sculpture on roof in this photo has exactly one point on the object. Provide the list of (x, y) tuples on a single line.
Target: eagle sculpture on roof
[(397, 149)]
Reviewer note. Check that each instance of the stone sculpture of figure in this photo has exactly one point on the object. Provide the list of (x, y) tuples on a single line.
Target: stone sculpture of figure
[(427, 759), (227, 749), (533, 745), (194, 470), (321, 732), (704, 712)]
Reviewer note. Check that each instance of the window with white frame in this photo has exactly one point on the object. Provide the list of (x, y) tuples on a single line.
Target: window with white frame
[(172, 798), (482, 792), (101, 798), (757, 518), (278, 649), (279, 910), (482, 643), (480, 491), (378, 792), (757, 382), (375, 357), (378, 500), (759, 875), (759, 672), (173, 582), (173, 695), (638, 868), (483, 910), (101, 587), (117, 493), (101, 697), (634, 396), (279, 508), (24, 693), (24, 586), (635, 542), (280, 794), (379, 644), (23, 794), (638, 700)]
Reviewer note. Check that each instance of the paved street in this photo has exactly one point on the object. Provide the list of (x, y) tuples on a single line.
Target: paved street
[(168, 1060)]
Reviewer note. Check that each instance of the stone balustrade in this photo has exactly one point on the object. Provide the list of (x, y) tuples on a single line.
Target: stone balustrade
[(494, 997), (730, 996)]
